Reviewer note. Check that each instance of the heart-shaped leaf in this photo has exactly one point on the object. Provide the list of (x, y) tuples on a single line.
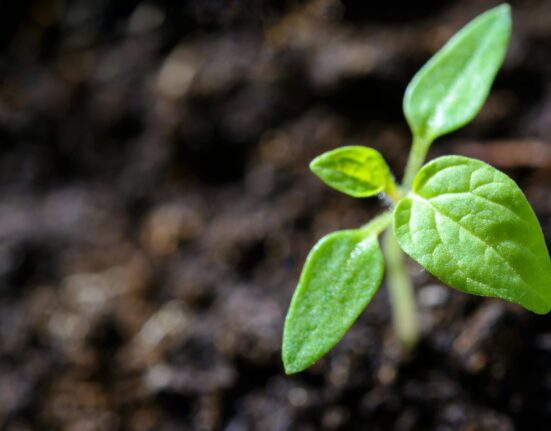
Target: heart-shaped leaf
[(472, 227), (451, 88), (354, 170), (341, 274)]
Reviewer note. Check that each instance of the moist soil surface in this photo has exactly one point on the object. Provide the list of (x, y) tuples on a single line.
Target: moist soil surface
[(156, 208)]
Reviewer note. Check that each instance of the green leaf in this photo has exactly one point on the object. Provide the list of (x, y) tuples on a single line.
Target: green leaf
[(341, 274), (451, 88), (354, 170), (471, 226)]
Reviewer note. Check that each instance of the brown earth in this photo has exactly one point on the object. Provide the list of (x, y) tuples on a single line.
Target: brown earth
[(156, 208)]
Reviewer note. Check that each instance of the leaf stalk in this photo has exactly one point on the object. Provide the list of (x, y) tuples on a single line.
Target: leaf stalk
[(416, 159)]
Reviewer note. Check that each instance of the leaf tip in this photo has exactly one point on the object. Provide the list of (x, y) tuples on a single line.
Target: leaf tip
[(504, 8), (290, 370), (314, 165), (540, 307), (503, 13), (290, 364), (541, 312)]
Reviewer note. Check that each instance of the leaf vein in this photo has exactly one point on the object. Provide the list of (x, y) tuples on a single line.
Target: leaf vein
[(427, 202), (470, 193)]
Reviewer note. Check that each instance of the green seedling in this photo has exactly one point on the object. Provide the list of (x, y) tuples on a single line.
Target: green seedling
[(464, 221)]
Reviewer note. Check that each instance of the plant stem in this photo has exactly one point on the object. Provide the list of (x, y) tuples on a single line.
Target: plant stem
[(400, 287), (416, 159), (378, 224), (393, 191)]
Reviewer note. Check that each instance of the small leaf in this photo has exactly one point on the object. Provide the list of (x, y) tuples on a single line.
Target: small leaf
[(341, 274), (451, 88), (354, 170), (471, 226)]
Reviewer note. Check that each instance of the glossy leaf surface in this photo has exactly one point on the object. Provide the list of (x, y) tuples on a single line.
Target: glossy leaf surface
[(354, 170), (471, 226), (341, 274), (451, 88)]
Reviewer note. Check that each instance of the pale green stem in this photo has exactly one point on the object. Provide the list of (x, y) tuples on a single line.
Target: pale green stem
[(392, 189), (378, 224), (400, 287), (404, 312), (416, 159)]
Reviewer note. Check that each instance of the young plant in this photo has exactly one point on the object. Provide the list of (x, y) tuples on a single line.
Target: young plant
[(464, 221)]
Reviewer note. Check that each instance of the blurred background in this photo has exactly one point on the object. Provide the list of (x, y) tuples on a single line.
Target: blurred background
[(156, 209)]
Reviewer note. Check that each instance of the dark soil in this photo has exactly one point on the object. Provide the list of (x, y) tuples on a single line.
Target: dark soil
[(156, 209)]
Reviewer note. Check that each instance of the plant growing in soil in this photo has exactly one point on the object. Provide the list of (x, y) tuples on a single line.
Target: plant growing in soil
[(464, 221)]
